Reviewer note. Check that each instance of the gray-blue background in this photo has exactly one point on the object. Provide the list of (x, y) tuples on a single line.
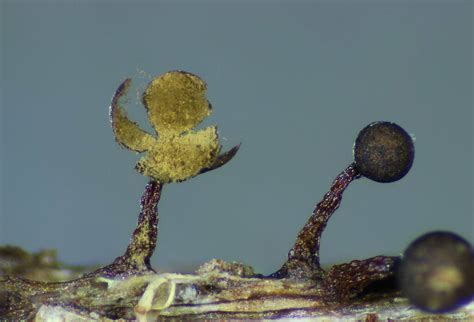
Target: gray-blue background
[(293, 81)]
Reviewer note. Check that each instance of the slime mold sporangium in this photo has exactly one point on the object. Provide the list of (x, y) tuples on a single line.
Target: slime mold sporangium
[(434, 275)]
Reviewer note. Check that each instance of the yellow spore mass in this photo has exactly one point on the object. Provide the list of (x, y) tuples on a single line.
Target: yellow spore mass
[(179, 157), (176, 103)]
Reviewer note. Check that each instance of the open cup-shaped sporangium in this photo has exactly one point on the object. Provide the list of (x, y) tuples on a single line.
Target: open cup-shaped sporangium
[(176, 103)]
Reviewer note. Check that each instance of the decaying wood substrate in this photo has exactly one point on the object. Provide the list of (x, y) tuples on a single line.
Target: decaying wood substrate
[(218, 290), (130, 289)]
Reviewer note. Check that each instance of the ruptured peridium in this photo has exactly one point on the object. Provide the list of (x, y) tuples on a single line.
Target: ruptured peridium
[(384, 152), (176, 104), (437, 272)]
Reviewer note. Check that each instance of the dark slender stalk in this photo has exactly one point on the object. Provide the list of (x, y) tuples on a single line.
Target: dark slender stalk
[(303, 258), (143, 241)]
